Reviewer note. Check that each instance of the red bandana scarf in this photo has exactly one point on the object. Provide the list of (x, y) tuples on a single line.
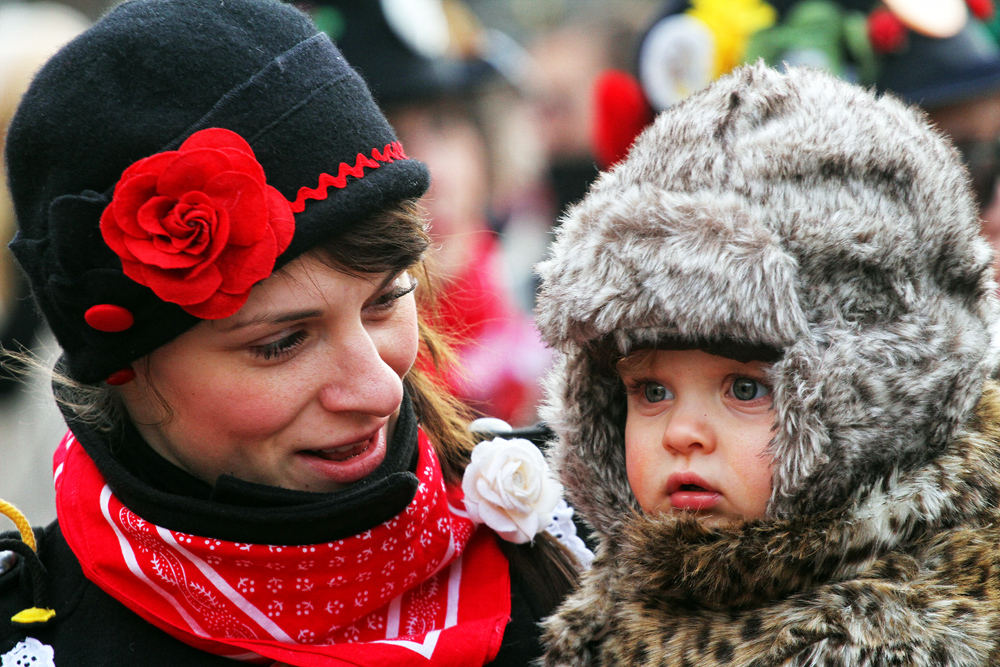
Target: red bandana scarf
[(424, 588)]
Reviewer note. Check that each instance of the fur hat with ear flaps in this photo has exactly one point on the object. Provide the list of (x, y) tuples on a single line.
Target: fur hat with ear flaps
[(792, 211)]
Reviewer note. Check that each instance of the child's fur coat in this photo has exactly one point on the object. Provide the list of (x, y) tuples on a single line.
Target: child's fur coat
[(796, 212)]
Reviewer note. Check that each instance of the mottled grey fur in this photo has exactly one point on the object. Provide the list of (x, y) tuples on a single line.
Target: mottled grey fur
[(794, 211)]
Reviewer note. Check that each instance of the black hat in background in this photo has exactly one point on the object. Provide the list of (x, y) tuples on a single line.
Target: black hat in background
[(935, 72), (139, 83), (927, 70), (405, 49)]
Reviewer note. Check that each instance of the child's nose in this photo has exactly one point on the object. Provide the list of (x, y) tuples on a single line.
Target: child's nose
[(689, 429), (359, 380)]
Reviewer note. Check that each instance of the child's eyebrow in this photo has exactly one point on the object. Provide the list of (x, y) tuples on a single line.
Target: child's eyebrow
[(635, 359)]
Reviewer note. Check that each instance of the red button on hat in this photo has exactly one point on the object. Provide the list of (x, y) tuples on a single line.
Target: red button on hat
[(108, 317), (118, 378)]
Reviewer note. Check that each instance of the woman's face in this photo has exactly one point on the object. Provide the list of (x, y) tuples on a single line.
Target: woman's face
[(299, 389)]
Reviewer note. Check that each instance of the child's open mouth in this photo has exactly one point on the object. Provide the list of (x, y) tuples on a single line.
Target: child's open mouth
[(687, 491), (693, 487)]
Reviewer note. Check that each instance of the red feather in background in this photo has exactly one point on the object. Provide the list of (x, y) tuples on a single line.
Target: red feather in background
[(620, 114)]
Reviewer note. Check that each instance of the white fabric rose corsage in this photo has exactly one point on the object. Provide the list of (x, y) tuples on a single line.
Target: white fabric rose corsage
[(508, 487)]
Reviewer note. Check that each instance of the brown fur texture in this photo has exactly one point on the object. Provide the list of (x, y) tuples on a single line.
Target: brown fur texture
[(872, 585), (798, 212)]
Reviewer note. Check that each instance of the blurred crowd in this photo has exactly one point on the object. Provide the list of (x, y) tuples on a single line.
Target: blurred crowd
[(516, 105)]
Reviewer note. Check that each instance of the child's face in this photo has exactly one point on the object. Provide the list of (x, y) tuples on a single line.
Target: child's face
[(697, 429)]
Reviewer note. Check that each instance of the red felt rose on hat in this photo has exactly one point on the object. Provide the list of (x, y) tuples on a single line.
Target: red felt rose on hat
[(200, 225)]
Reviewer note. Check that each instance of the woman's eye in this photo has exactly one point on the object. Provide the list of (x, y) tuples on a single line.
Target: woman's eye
[(748, 389), (654, 393), (387, 300), (280, 346)]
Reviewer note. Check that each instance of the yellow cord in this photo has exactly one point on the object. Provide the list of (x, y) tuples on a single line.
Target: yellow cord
[(20, 521), (32, 614)]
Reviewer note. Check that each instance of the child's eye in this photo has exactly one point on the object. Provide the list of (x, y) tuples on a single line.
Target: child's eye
[(388, 299), (748, 389), (279, 347), (654, 393)]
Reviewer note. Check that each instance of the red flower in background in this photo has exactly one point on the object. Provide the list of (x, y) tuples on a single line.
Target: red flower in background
[(886, 33), (981, 9), (200, 225)]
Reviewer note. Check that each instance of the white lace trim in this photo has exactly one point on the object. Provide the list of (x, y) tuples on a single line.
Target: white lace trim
[(563, 529), (28, 653)]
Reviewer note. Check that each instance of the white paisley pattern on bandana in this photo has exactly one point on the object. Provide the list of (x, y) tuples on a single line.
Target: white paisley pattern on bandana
[(393, 589)]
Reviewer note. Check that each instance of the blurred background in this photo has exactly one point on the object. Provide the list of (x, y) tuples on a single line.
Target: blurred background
[(516, 105)]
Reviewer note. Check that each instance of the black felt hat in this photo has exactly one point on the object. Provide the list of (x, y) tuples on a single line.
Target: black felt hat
[(138, 85)]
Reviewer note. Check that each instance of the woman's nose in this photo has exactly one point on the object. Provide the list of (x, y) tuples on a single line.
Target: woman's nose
[(360, 380), (689, 429)]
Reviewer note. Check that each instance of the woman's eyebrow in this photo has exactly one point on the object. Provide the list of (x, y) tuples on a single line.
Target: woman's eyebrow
[(270, 318)]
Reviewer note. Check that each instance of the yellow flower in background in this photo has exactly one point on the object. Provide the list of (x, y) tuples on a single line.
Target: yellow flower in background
[(731, 23)]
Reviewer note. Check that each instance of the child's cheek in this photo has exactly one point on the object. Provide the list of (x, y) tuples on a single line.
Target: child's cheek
[(753, 465), (645, 470)]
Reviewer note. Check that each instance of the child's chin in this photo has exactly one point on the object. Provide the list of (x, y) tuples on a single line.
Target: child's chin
[(716, 520), (709, 518)]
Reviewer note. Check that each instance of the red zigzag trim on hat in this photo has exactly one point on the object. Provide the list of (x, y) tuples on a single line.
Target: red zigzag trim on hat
[(392, 152)]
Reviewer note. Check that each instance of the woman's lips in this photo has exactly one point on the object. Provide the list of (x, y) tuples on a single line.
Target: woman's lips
[(343, 453), (349, 463), (688, 491)]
